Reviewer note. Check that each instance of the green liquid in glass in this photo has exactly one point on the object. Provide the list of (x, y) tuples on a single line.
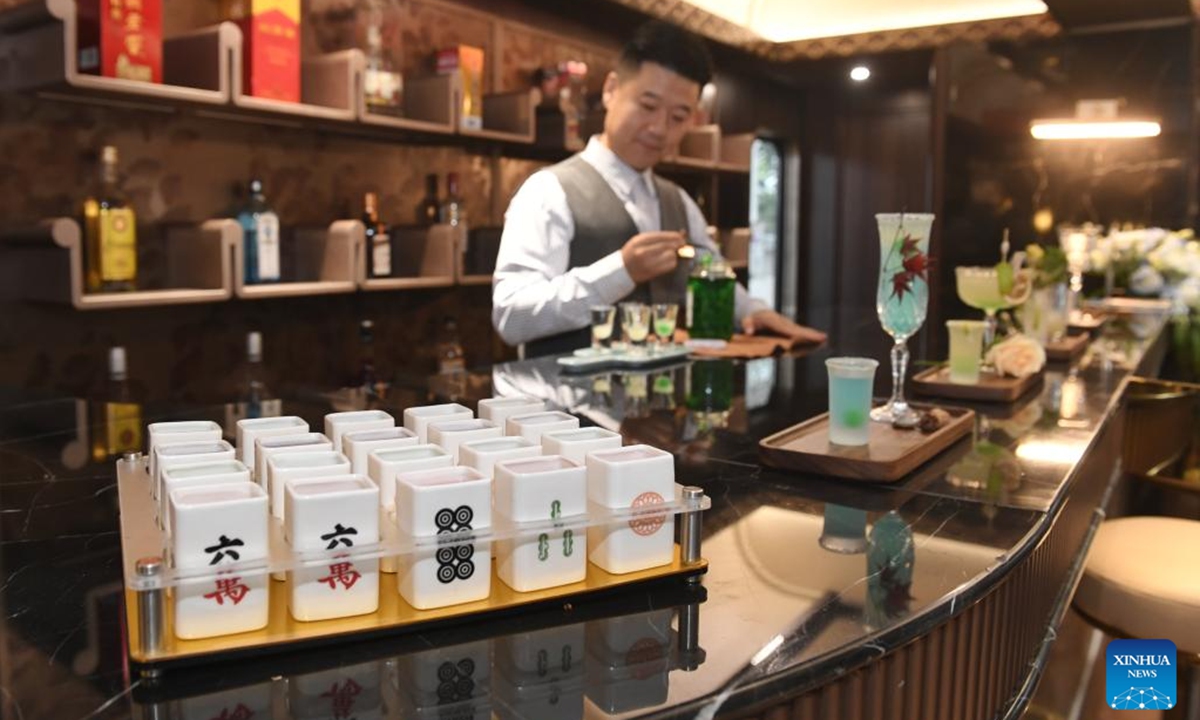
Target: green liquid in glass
[(711, 307)]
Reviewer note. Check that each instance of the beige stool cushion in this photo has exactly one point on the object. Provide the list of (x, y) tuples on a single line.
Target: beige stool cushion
[(1143, 579)]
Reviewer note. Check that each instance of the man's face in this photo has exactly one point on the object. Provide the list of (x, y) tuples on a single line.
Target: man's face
[(648, 113)]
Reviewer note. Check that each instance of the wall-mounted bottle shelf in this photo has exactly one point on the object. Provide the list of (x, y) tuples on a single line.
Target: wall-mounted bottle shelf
[(706, 148), (206, 263), (50, 259), (38, 51), (421, 258)]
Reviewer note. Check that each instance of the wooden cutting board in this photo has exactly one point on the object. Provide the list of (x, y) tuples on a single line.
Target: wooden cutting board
[(1067, 348)]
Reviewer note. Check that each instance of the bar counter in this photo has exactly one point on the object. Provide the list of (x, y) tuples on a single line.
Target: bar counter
[(935, 597)]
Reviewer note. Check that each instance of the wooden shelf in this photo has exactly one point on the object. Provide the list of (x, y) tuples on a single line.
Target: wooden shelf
[(38, 51), (46, 264), (735, 246), (507, 117), (328, 87), (734, 152), (328, 256), (733, 168), (428, 107), (423, 257), (475, 280)]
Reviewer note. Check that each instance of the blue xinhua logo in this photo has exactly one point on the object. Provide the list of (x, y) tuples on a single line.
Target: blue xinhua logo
[(1141, 675)]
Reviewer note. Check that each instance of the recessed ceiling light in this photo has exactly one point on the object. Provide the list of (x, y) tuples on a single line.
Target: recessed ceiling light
[(860, 73), (1072, 129)]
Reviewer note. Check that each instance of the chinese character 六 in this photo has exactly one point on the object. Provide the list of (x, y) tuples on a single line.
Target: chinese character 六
[(222, 548), (336, 536)]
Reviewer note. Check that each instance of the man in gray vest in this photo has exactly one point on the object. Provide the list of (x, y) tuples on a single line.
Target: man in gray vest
[(601, 227)]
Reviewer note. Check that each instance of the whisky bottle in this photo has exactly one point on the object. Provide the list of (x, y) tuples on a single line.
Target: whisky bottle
[(260, 230), (429, 210), (110, 232), (383, 87), (451, 359), (116, 416), (379, 241), (453, 211)]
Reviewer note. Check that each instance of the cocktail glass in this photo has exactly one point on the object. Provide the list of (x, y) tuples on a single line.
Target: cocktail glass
[(602, 325), (979, 287), (966, 347), (635, 319), (1077, 244), (664, 321), (850, 382), (901, 299)]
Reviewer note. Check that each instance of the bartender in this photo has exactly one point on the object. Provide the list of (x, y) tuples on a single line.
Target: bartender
[(601, 227)]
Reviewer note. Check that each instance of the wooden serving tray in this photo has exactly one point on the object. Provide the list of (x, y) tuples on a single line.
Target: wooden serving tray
[(1067, 349), (991, 387), (889, 454)]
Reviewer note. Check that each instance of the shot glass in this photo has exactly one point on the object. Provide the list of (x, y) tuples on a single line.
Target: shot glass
[(665, 315), (603, 319), (850, 383), (966, 347), (635, 321)]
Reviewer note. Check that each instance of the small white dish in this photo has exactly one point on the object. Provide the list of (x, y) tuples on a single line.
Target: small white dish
[(484, 454), (358, 444), (499, 410), (449, 434), (576, 444), (251, 429)]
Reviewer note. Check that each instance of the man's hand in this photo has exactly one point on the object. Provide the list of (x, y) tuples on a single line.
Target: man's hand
[(771, 322), (648, 255)]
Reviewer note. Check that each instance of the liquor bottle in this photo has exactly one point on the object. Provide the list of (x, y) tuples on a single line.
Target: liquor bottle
[(379, 241), (251, 397), (453, 211), (116, 416), (367, 379), (451, 358), (383, 87), (429, 210), (110, 232), (260, 228)]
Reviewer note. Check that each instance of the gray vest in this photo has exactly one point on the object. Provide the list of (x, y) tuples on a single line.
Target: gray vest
[(602, 227)]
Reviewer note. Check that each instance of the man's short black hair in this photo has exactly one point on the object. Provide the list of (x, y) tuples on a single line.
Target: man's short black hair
[(670, 46)]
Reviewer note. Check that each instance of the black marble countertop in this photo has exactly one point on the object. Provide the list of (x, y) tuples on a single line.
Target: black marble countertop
[(809, 576)]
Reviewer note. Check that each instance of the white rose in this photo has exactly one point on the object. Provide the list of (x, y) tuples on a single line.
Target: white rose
[(1188, 293), (1146, 281), (1017, 355), (1098, 260)]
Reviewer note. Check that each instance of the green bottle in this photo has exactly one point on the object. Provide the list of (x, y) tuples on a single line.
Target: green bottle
[(710, 294)]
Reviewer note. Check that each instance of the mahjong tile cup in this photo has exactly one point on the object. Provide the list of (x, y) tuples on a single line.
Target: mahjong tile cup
[(449, 434), (430, 503), (540, 674), (459, 676), (638, 476), (251, 701), (544, 488), (253, 428), (628, 661), (187, 454), (576, 444), (542, 656), (358, 444), (216, 472), (282, 469), (338, 424), (384, 465), (353, 691), (484, 454), (179, 433), (500, 409), (531, 425), (332, 514), (417, 419), (216, 525), (266, 447)]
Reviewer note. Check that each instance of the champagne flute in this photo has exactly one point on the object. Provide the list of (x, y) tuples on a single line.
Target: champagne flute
[(901, 299)]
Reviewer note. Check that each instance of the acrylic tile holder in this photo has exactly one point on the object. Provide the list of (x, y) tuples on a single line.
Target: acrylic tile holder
[(152, 581)]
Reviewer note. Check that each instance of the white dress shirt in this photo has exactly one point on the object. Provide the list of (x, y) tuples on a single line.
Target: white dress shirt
[(534, 292)]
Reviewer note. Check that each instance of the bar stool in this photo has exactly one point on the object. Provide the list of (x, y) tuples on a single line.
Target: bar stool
[(1142, 580)]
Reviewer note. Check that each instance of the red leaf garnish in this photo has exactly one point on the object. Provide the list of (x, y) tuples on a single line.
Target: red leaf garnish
[(908, 246), (901, 283), (916, 263)]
